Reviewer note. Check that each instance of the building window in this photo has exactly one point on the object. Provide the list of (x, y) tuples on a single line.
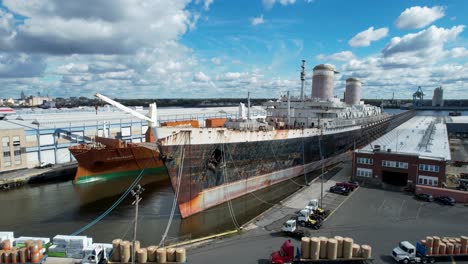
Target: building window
[(17, 149), (395, 164), (362, 172), (368, 161), (427, 167), (428, 180), (6, 151)]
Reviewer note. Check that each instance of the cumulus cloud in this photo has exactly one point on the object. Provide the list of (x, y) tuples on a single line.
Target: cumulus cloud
[(427, 41), (90, 27), (459, 52), (270, 3), (229, 76), (20, 65), (200, 77), (339, 56), (364, 38), (216, 61), (257, 20), (418, 17)]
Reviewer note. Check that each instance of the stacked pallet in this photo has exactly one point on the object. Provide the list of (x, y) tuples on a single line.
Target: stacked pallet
[(69, 246), (437, 246), (316, 248)]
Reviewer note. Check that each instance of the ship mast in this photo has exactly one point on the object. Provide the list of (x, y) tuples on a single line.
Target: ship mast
[(302, 80)]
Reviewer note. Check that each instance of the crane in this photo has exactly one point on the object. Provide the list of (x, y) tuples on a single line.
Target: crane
[(152, 118)]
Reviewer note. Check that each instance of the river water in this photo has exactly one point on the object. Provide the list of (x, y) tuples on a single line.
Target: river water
[(50, 209), (56, 208)]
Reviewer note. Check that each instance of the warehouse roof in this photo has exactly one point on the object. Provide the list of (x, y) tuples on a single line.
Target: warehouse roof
[(86, 116), (425, 136), (457, 119)]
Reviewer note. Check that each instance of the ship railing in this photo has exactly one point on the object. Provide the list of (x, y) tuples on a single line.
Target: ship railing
[(204, 116)]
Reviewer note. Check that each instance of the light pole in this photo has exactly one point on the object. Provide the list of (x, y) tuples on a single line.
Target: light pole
[(136, 192), (38, 136)]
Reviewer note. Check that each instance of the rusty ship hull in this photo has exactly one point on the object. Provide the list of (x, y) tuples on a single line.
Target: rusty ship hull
[(212, 174)]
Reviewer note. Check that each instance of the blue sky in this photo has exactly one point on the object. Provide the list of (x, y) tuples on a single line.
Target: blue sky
[(213, 48)]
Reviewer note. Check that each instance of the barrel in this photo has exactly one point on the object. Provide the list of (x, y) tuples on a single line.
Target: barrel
[(445, 241), (2, 252), (35, 257), (435, 250), (22, 255), (151, 251), (137, 246), (6, 256), (450, 248), (442, 248), (116, 249), (423, 242), (314, 248), (181, 255), (125, 252), (464, 241), (170, 255), (14, 256), (28, 243), (429, 251), (456, 250), (464, 250), (33, 248), (366, 251), (6, 244), (347, 248), (339, 240), (356, 251), (429, 242), (332, 249), (161, 255), (142, 255), (436, 241), (323, 247), (452, 240), (39, 244), (305, 247)]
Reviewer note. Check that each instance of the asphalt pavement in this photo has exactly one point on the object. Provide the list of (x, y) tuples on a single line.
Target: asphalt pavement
[(370, 216)]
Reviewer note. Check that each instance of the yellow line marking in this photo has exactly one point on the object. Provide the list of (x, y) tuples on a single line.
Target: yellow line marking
[(453, 260), (331, 213), (202, 239)]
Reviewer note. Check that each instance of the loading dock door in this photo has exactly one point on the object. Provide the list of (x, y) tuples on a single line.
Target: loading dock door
[(395, 178)]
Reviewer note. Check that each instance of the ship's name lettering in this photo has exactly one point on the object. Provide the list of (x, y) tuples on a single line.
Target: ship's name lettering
[(118, 158)]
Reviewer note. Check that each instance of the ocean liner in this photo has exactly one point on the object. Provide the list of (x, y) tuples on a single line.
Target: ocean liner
[(210, 166)]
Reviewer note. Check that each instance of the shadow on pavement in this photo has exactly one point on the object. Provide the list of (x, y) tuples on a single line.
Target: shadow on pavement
[(263, 261), (386, 259)]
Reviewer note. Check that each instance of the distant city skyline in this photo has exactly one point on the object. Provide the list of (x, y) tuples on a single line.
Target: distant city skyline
[(212, 48)]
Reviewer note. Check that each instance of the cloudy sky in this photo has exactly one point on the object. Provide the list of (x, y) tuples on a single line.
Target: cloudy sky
[(221, 48)]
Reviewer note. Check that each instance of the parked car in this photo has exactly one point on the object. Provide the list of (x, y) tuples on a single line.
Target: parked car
[(339, 189), (424, 197), (348, 185), (446, 200)]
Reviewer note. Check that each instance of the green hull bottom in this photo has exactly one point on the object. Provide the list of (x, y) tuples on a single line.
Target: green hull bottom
[(121, 174)]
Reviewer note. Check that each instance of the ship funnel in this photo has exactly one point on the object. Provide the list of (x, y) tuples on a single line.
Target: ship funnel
[(322, 82), (353, 91), (153, 115), (242, 112)]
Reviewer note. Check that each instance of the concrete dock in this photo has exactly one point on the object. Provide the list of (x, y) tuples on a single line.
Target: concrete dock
[(17, 178)]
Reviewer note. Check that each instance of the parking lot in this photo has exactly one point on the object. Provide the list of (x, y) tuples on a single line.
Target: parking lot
[(383, 218), (371, 216)]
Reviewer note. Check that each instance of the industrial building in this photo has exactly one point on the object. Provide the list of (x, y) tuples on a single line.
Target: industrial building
[(415, 152), (40, 136), (457, 126)]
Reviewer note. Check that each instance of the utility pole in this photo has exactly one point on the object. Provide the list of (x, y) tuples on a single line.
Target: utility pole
[(321, 175), (136, 192)]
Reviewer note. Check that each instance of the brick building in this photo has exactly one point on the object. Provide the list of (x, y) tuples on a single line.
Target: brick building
[(415, 152)]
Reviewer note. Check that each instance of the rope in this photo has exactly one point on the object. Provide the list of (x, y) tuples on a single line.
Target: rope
[(231, 209), (176, 196), (99, 218)]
